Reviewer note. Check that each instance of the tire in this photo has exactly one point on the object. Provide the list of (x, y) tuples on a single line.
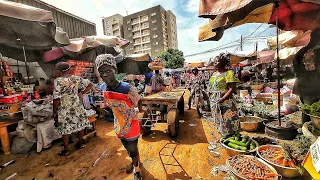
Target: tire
[(173, 126), (145, 131), (181, 106)]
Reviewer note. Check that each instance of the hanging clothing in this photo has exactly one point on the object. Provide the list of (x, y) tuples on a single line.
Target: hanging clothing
[(225, 114), (71, 113), (122, 100)]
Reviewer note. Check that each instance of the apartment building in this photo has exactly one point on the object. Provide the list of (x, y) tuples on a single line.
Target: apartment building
[(113, 25), (149, 31)]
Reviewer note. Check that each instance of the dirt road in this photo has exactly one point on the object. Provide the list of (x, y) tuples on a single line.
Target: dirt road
[(193, 158)]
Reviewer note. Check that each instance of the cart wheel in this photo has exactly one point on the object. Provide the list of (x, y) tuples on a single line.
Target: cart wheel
[(181, 105), (173, 120), (145, 131)]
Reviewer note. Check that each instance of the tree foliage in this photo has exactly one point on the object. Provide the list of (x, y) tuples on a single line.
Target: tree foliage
[(173, 58)]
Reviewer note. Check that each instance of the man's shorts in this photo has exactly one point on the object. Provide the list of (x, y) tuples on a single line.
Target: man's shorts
[(131, 147)]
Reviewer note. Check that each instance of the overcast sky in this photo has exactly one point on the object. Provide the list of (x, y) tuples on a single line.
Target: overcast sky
[(188, 22)]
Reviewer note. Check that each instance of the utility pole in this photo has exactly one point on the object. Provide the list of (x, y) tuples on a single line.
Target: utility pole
[(256, 47), (241, 44)]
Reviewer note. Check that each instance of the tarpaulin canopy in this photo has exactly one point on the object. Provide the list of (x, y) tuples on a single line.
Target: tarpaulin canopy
[(291, 39), (287, 55), (215, 28), (239, 56), (80, 44), (293, 15), (140, 57), (130, 65), (88, 48), (22, 25), (264, 57)]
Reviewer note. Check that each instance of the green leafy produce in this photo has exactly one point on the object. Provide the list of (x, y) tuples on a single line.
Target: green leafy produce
[(252, 146), (313, 109), (315, 131), (262, 110)]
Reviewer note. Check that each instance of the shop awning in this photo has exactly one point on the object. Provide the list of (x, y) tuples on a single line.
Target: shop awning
[(239, 56), (291, 39), (287, 55), (140, 57), (33, 28), (264, 57)]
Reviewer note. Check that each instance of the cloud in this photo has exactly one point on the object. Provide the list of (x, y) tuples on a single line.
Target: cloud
[(186, 12), (192, 6)]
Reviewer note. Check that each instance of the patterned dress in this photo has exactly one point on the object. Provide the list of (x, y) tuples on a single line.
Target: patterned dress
[(71, 113), (122, 100), (225, 114)]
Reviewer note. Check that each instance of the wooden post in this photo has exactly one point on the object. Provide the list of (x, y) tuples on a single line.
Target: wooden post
[(5, 142)]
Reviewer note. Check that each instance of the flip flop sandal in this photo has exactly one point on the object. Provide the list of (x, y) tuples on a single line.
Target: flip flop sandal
[(80, 147), (63, 153)]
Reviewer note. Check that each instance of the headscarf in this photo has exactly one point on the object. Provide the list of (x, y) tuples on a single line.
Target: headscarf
[(105, 59)]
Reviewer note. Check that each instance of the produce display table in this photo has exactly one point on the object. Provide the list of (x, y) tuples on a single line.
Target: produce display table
[(4, 135), (170, 104)]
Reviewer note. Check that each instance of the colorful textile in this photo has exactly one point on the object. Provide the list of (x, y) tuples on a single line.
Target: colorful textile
[(195, 80), (225, 113), (122, 101), (139, 88), (71, 113), (156, 83), (105, 59), (218, 82)]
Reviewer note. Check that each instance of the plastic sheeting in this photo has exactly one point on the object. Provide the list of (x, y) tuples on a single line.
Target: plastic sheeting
[(291, 39)]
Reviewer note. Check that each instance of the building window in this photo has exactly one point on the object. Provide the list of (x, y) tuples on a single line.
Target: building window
[(156, 43), (129, 28), (108, 34), (154, 29), (107, 21), (157, 50), (131, 48), (154, 21), (155, 36), (128, 22), (153, 14)]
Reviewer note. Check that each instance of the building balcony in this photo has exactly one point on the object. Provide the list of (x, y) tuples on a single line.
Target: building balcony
[(144, 19), (136, 35), (145, 26), (145, 34), (135, 22), (136, 29), (114, 22), (115, 27)]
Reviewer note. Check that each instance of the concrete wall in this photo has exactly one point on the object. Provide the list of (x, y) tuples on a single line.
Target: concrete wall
[(73, 25)]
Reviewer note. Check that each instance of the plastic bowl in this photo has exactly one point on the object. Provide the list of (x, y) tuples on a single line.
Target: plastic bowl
[(232, 152)]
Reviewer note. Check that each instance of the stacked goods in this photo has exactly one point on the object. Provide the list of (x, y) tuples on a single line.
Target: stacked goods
[(240, 143), (251, 168)]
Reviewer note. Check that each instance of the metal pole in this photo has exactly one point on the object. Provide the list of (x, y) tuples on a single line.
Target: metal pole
[(241, 42), (25, 61), (278, 66)]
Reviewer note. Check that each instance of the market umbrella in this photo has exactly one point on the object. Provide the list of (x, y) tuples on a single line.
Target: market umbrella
[(133, 64), (27, 31), (239, 56)]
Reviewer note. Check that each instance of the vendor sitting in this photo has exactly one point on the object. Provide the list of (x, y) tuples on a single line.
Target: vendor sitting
[(41, 87)]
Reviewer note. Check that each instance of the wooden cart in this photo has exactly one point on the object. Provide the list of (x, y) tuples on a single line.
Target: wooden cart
[(168, 106)]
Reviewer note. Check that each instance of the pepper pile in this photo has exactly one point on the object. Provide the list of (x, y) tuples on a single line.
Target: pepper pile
[(249, 167), (240, 143), (277, 156)]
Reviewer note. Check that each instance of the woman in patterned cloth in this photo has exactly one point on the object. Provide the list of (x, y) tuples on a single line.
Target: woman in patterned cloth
[(69, 113), (223, 85)]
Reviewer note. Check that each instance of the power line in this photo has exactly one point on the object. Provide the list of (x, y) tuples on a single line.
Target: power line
[(228, 45)]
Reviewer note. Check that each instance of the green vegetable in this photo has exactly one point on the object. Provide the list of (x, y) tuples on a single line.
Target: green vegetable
[(237, 137), (235, 146), (238, 143), (313, 109), (252, 146), (245, 139), (228, 140), (248, 143)]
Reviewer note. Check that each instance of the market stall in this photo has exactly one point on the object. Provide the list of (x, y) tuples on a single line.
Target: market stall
[(268, 107)]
